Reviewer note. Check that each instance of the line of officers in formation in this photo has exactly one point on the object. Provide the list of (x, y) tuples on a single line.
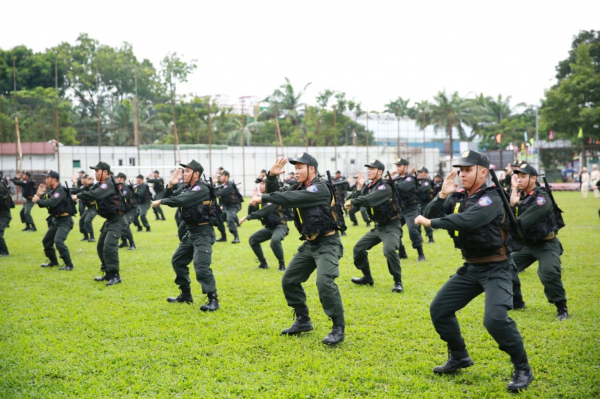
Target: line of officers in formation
[(474, 215)]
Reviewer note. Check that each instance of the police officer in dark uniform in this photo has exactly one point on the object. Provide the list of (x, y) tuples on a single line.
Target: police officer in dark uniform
[(78, 183), (158, 184), (6, 204), (352, 212), (437, 184), (535, 214), (407, 188), (130, 202), (475, 219), (195, 200), (61, 208), (27, 192), (90, 212), (318, 225), (274, 218), (110, 207), (425, 194), (384, 211), (230, 199), (144, 199)]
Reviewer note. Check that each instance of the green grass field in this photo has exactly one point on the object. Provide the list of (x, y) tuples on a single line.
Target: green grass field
[(64, 335)]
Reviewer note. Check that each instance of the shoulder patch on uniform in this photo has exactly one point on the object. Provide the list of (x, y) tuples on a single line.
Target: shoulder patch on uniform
[(124, 191), (104, 186), (25, 181), (225, 185), (426, 183), (313, 188), (196, 188), (382, 187), (269, 203), (56, 195), (485, 201), (408, 178), (540, 201)]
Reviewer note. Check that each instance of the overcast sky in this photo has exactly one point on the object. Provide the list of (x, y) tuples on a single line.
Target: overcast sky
[(372, 50)]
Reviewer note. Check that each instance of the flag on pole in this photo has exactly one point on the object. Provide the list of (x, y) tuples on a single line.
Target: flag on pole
[(525, 135), (551, 137), (580, 135), (499, 138), (522, 146), (590, 141), (532, 142)]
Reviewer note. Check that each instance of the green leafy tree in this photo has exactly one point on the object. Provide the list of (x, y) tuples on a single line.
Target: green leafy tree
[(449, 112), (287, 101)]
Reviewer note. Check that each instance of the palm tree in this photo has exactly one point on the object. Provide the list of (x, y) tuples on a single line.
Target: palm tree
[(449, 112), (286, 100), (398, 107)]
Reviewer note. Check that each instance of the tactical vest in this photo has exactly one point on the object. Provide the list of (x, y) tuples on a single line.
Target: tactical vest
[(6, 201), (425, 191), (147, 194), (318, 220), (62, 207), (385, 212), (28, 189), (202, 213), (545, 227), (111, 205), (129, 201), (232, 198), (276, 218), (408, 197), (160, 186), (485, 244)]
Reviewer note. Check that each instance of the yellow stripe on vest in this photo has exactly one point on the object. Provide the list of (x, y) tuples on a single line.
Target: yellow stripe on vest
[(456, 208)]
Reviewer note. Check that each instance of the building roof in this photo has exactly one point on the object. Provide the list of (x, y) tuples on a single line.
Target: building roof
[(28, 148)]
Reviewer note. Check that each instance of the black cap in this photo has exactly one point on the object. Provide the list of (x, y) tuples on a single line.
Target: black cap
[(527, 169), (305, 158), (193, 165), (355, 177), (258, 180), (28, 174), (376, 164), (140, 177), (101, 166), (470, 158), (516, 163), (401, 161), (226, 173), (52, 173), (82, 171), (292, 173), (157, 172), (337, 172), (121, 175), (423, 169), (263, 171)]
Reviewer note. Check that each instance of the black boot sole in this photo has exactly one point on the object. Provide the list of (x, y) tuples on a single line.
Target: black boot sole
[(462, 365), (298, 330), (362, 283), (517, 389)]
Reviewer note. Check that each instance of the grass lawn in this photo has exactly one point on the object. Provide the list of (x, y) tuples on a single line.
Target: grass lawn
[(64, 335)]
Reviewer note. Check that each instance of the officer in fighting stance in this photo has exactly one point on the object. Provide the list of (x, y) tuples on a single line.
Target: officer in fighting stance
[(231, 201), (61, 208), (384, 211), (110, 207), (475, 219), (534, 210), (6, 204), (195, 199), (274, 219), (27, 191), (130, 202), (318, 225), (407, 188)]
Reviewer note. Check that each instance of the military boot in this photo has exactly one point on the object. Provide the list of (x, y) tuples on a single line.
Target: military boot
[(263, 264), (85, 237), (52, 261), (518, 303), (113, 279), (68, 264), (281, 266), (139, 228), (302, 323), (212, 305), (222, 239), (236, 239), (185, 296), (521, 378), (398, 287), (366, 279), (123, 244), (32, 228), (421, 257), (458, 358), (105, 277), (402, 252), (27, 227), (561, 311), (336, 335)]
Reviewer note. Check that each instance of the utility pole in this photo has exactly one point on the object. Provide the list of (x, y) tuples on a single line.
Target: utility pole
[(136, 122), (209, 131), (278, 132), (398, 119), (98, 117), (367, 133), (424, 147), (306, 127), (335, 135), (20, 164), (243, 149), (56, 114), (176, 141)]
